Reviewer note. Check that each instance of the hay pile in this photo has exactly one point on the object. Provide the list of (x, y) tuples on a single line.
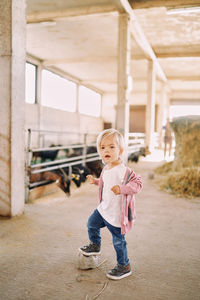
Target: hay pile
[(182, 176), (183, 183), (187, 136), (165, 168)]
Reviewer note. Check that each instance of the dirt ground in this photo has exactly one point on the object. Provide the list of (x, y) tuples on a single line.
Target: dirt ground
[(38, 251)]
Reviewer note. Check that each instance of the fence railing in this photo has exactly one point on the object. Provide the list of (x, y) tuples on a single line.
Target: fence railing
[(136, 141), (57, 163)]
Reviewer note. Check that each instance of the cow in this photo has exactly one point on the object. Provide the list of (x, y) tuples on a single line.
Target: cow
[(45, 155), (57, 176), (62, 177), (95, 166), (134, 157)]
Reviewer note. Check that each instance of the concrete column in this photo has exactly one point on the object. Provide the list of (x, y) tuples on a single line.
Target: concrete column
[(38, 101), (150, 108), (122, 107), (162, 113), (12, 112), (77, 97), (167, 104)]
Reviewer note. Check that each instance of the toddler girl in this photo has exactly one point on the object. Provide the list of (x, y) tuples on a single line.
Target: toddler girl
[(117, 186)]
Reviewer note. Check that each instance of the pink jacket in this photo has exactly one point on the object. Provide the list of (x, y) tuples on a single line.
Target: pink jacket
[(131, 185)]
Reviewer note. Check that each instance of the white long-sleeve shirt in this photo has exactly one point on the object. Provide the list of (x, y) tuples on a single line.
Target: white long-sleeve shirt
[(110, 206)]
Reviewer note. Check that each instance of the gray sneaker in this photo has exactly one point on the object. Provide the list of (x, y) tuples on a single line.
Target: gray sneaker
[(91, 249), (119, 272)]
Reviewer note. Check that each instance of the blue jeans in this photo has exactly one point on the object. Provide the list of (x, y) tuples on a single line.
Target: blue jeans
[(95, 222)]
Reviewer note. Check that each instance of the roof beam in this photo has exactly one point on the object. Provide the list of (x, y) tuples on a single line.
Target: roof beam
[(105, 59), (139, 4), (171, 78), (178, 54), (77, 60), (123, 6), (185, 78), (140, 79), (87, 59), (49, 16)]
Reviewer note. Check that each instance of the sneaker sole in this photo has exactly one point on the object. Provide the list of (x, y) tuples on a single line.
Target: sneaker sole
[(89, 254), (118, 277)]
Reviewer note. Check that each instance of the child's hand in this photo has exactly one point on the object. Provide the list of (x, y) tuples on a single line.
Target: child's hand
[(116, 190), (90, 178)]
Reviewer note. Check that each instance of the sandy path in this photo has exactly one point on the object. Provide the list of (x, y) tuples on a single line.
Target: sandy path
[(38, 250)]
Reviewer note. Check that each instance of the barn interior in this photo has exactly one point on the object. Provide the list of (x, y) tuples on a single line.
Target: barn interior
[(126, 64), (70, 69)]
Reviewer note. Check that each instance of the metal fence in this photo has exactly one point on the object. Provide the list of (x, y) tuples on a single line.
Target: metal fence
[(136, 141)]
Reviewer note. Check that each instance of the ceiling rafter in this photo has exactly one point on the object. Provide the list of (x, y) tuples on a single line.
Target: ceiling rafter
[(105, 59), (88, 59), (178, 54), (139, 4), (102, 80), (123, 6), (50, 16)]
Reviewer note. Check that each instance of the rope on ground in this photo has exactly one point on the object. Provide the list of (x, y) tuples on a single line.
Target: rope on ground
[(102, 263), (104, 287)]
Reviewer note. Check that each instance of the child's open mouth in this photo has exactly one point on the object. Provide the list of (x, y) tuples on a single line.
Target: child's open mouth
[(107, 156)]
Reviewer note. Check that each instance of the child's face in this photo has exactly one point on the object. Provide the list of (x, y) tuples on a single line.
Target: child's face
[(109, 150)]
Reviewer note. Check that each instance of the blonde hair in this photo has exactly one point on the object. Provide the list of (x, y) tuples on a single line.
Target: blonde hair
[(111, 132)]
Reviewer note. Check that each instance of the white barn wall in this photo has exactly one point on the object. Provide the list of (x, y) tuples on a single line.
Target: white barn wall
[(138, 98), (31, 122), (31, 116), (139, 93), (61, 121), (109, 100), (45, 118), (91, 125), (192, 95)]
